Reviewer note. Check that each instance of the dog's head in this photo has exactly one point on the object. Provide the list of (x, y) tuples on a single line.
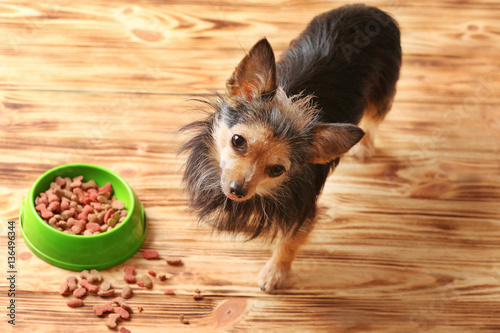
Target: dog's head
[(263, 137)]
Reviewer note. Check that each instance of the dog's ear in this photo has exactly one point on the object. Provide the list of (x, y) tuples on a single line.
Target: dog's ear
[(255, 75), (329, 141)]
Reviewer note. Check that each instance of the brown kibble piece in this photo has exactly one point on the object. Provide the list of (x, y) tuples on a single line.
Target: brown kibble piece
[(198, 297), (90, 184), (72, 283), (164, 276), (64, 289), (79, 292), (88, 276), (112, 321), (152, 273), (129, 274), (124, 330), (70, 200), (106, 285), (146, 281), (92, 288), (121, 302), (99, 310), (150, 254), (106, 293), (96, 274), (169, 292), (139, 308), (174, 261), (74, 303), (117, 204), (127, 292), (183, 320), (124, 314)]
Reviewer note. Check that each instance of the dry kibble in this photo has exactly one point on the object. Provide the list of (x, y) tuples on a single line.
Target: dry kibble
[(117, 204), (74, 303), (175, 261), (99, 310), (86, 202), (90, 184), (113, 220), (183, 320), (96, 274), (112, 321), (64, 289), (124, 330), (88, 276), (121, 302), (150, 254), (106, 293), (124, 314), (129, 274), (72, 283), (79, 292), (106, 285), (92, 288), (127, 292), (145, 281)]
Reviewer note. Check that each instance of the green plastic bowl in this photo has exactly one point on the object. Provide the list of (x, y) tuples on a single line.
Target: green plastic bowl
[(78, 252)]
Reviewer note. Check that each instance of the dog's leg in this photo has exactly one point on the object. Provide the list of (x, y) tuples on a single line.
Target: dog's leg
[(366, 147), (372, 117), (275, 272)]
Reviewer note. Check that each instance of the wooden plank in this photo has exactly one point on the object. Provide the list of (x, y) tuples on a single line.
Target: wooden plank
[(407, 242), (45, 46)]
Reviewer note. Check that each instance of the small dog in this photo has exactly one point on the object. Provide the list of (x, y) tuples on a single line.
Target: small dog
[(259, 161)]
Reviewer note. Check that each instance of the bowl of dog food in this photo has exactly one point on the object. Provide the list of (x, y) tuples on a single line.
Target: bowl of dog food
[(82, 216)]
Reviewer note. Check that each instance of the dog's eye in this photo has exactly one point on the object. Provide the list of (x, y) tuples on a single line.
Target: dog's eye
[(238, 141), (276, 170)]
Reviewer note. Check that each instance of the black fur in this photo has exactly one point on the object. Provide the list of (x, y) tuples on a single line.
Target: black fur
[(343, 61), (325, 65)]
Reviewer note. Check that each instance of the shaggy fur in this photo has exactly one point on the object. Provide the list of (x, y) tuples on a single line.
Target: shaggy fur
[(343, 66)]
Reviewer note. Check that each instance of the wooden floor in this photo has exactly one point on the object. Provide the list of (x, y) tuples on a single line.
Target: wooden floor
[(409, 241)]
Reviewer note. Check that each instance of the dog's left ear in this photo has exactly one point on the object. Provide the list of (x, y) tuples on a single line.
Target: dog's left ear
[(255, 75), (329, 141)]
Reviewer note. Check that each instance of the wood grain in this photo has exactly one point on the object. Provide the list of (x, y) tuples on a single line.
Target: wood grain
[(407, 242)]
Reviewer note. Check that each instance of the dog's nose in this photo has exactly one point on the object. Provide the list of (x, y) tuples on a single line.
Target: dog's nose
[(237, 189)]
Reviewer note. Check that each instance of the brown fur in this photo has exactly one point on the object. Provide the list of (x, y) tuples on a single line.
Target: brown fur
[(259, 161)]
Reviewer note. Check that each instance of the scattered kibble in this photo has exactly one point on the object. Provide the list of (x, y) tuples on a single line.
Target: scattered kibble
[(150, 254), (175, 261), (79, 292), (112, 321), (183, 320), (129, 274), (99, 310), (145, 281), (127, 292), (124, 314), (74, 303)]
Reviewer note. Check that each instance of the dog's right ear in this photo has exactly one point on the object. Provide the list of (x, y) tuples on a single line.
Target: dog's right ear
[(255, 76)]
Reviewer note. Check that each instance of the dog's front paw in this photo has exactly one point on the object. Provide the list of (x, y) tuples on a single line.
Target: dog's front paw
[(273, 276)]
